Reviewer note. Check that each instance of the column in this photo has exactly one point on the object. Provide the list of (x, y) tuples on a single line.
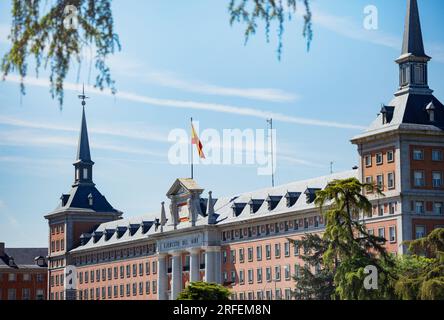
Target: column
[(162, 277), (211, 263), (194, 264), (176, 278)]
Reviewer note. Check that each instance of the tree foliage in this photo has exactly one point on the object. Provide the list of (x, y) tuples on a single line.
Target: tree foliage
[(39, 31), (314, 282), (204, 291), (422, 273), (251, 12), (350, 248)]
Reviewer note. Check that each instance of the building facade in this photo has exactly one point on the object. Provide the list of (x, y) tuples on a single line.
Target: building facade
[(241, 241), (23, 273)]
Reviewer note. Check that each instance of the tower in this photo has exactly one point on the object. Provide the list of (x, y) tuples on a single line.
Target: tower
[(402, 150), (79, 211)]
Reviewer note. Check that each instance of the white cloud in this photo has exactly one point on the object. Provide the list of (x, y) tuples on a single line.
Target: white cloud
[(345, 27), (118, 131), (188, 104), (20, 138)]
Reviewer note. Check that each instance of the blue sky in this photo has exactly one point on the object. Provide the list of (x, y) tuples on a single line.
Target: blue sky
[(181, 59)]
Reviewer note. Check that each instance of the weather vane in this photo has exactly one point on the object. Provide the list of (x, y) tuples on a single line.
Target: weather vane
[(82, 96)]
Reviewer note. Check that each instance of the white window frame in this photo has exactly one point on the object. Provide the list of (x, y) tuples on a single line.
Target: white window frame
[(419, 182), (417, 152), (368, 160), (392, 185), (392, 158), (439, 152), (437, 186), (381, 156), (392, 237)]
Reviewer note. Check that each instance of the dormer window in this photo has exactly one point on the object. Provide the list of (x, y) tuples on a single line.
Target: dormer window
[(90, 200), (431, 111)]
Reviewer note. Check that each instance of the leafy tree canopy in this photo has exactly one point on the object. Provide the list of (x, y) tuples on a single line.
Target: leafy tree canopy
[(204, 291), (40, 31)]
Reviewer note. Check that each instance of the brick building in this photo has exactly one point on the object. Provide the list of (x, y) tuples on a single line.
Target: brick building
[(241, 241), (23, 273)]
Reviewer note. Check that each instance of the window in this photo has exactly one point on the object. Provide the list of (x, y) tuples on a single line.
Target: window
[(259, 275), (259, 253), (277, 273), (437, 155), (259, 295), (419, 74), (287, 294), (380, 210), (140, 288), (381, 232), (419, 179), (241, 277), (277, 250), (39, 294), (116, 291), (297, 270), (419, 232), (391, 180), (116, 273), (278, 294), (110, 275), (39, 277), (233, 276), (85, 173), (122, 272), (437, 208), (147, 287), (390, 156), (233, 256), (268, 251), (437, 179), (224, 256), (140, 269), (392, 208), (12, 295), (241, 255), (62, 244), (121, 290), (225, 277), (109, 292), (250, 254), (296, 248), (134, 270), (250, 276), (369, 180), (92, 276), (26, 277), (128, 289), (268, 274), (128, 271), (392, 234), (379, 159), (287, 249), (368, 160), (26, 294), (380, 181), (154, 286), (147, 268), (418, 154), (419, 207), (12, 277), (287, 272)]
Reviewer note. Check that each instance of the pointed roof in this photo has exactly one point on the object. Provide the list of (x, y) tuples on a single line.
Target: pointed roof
[(83, 152), (413, 43)]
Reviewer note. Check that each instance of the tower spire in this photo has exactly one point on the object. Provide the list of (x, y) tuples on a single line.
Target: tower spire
[(413, 43), (413, 75), (83, 164)]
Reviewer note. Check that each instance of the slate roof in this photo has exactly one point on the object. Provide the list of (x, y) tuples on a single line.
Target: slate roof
[(410, 109), (78, 199), (23, 257), (223, 208)]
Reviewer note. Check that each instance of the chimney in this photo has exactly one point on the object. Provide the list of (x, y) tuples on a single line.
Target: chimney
[(2, 249)]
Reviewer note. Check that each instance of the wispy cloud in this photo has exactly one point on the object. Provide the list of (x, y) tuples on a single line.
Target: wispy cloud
[(118, 131), (23, 138), (187, 104), (347, 28)]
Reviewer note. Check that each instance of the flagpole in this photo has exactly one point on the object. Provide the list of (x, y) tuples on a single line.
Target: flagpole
[(191, 149)]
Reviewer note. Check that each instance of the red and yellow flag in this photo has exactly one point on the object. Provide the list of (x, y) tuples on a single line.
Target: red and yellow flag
[(195, 140)]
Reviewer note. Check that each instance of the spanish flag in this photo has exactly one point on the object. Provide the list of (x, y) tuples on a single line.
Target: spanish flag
[(195, 140)]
